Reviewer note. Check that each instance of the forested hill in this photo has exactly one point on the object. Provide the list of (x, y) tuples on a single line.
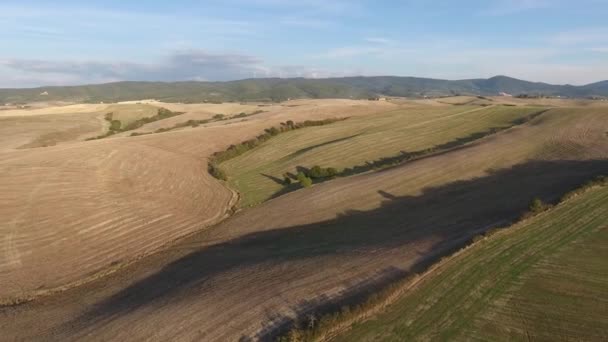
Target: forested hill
[(276, 89)]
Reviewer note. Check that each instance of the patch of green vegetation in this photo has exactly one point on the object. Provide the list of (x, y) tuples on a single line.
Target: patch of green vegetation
[(116, 126), (545, 278), (236, 150), (364, 144)]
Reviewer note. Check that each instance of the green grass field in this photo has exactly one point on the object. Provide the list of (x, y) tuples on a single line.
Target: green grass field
[(543, 279), (257, 173)]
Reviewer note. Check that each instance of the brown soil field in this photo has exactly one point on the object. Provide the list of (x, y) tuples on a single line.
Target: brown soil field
[(54, 110), (71, 211), (107, 201), (18, 132)]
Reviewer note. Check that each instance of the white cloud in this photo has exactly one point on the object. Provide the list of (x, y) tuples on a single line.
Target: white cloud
[(582, 36), (599, 49), (379, 40), (183, 65)]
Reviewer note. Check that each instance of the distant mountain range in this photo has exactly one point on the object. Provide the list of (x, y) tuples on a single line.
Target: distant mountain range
[(276, 89)]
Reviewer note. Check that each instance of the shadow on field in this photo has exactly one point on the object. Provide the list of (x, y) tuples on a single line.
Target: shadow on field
[(453, 213)]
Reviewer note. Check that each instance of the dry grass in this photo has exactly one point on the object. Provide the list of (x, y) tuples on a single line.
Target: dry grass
[(54, 110), (72, 211), (47, 130), (49, 126)]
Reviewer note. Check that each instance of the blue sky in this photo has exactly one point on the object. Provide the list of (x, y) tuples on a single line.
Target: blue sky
[(75, 42)]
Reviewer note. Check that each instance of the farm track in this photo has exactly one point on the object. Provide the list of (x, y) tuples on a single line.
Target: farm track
[(250, 274)]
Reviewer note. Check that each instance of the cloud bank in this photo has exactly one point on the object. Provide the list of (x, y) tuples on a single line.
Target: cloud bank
[(185, 65)]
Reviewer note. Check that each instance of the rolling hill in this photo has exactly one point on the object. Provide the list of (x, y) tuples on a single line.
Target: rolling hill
[(529, 282), (248, 276), (276, 89)]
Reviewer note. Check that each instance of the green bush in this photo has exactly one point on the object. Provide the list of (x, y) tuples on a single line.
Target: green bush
[(115, 125), (273, 131), (537, 206), (236, 150), (304, 180), (216, 171), (317, 172)]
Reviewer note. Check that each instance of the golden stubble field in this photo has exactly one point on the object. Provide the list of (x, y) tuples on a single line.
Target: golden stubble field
[(109, 201), (80, 208)]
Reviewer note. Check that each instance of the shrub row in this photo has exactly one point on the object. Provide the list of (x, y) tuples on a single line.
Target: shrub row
[(327, 325), (236, 150), (195, 123), (307, 177)]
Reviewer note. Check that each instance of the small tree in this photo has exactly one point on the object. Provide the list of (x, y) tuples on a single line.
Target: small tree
[(115, 125), (304, 180), (316, 172), (216, 172), (218, 116), (537, 206), (273, 131), (332, 172)]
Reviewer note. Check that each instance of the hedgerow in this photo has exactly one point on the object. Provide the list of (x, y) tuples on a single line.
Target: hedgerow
[(238, 149)]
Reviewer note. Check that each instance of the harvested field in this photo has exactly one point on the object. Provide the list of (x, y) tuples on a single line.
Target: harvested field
[(258, 174), (71, 211), (249, 275), (544, 279), (48, 126), (227, 108), (54, 110), (18, 132)]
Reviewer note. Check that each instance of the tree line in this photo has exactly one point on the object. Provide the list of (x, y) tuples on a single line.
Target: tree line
[(236, 150)]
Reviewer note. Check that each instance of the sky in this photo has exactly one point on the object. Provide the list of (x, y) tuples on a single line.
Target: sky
[(68, 42)]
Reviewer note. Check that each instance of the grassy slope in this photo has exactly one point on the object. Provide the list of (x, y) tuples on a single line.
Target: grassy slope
[(358, 140), (546, 278)]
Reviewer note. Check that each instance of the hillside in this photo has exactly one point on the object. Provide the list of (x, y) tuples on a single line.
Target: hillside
[(544, 279), (275, 89), (251, 274)]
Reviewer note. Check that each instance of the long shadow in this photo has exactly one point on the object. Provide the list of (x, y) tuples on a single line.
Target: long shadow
[(274, 179), (402, 157), (452, 212), (310, 148)]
